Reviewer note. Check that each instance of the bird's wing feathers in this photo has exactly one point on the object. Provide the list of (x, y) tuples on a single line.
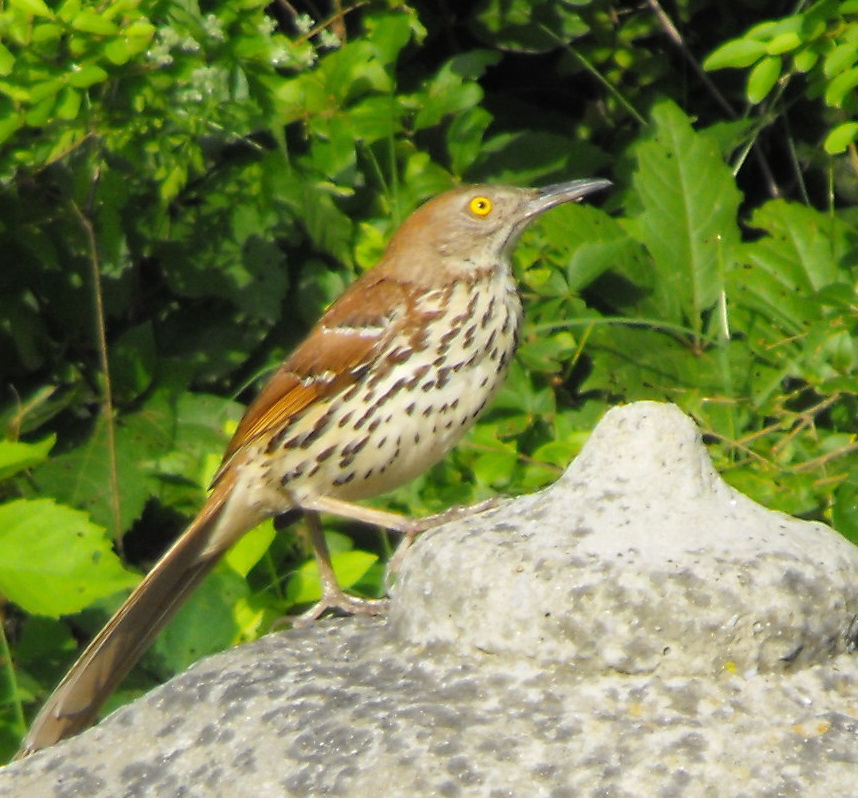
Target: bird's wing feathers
[(344, 344)]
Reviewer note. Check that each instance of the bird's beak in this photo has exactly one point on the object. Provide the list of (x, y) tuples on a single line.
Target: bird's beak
[(572, 191)]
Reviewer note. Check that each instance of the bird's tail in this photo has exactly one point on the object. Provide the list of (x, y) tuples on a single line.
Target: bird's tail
[(75, 703)]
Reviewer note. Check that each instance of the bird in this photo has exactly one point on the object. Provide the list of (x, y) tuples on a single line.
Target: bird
[(388, 380)]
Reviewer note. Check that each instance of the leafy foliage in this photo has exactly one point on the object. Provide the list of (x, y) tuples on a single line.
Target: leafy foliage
[(820, 42), (184, 185)]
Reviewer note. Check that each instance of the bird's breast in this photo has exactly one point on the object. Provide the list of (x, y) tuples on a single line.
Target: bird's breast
[(424, 390)]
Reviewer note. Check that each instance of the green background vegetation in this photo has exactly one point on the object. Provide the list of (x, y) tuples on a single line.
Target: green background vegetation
[(184, 186)]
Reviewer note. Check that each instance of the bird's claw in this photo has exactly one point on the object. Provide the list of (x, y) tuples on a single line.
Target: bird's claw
[(342, 604)]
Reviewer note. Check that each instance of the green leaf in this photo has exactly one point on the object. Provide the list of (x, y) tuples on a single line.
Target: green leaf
[(520, 396), (54, 560), (736, 53), (495, 459), (200, 423), (39, 113), (844, 512), (803, 247), (16, 456), (68, 104), (244, 265), (805, 60), (784, 43), (465, 137), (305, 586), (534, 26), (766, 31), (68, 10), (9, 125), (839, 138), (840, 86), (778, 297), (15, 92), (374, 119), (369, 246), (352, 72), (35, 7), (531, 157), (389, 33), (86, 75), (245, 554), (641, 363), (839, 59), (762, 78), (204, 625), (93, 22), (596, 241), (117, 51), (44, 32), (328, 227), (132, 362), (7, 60), (47, 89), (547, 353), (423, 178), (141, 30), (688, 220), (82, 478), (453, 89)]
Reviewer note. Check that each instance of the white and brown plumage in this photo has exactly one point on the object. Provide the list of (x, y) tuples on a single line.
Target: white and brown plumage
[(385, 384)]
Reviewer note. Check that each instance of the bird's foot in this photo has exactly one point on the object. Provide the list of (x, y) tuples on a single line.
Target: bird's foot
[(420, 525), (340, 603)]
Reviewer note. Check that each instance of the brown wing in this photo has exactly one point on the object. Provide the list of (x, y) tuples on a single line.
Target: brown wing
[(341, 346)]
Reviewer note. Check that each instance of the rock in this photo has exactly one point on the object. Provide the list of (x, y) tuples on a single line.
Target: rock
[(637, 629)]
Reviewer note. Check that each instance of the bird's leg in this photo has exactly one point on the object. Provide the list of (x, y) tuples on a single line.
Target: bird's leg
[(333, 596), (409, 528), (394, 521), (430, 522)]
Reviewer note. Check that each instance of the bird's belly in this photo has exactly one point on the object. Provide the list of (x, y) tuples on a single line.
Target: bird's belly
[(388, 430), (417, 430)]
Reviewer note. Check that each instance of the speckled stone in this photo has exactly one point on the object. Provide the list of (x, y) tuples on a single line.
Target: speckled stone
[(638, 629)]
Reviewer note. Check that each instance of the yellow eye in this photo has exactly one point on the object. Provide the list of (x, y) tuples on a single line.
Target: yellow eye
[(480, 206)]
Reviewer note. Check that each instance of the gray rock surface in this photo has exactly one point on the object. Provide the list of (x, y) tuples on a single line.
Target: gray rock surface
[(637, 629)]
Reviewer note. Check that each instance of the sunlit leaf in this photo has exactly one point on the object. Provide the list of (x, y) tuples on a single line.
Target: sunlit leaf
[(689, 216), (54, 560), (35, 7), (305, 587), (762, 78), (17, 456), (736, 53), (204, 625)]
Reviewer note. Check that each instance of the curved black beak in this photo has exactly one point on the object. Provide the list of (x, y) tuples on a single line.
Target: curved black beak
[(558, 193)]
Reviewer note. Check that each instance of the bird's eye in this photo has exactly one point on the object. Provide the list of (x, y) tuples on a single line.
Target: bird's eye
[(480, 206)]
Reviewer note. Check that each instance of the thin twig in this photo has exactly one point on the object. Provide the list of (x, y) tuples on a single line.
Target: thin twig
[(794, 160), (806, 420), (107, 399), (14, 689), (824, 459), (585, 62), (676, 37), (331, 21), (338, 22), (853, 156), (289, 8)]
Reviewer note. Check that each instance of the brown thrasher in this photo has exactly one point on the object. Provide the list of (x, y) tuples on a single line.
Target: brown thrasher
[(385, 384)]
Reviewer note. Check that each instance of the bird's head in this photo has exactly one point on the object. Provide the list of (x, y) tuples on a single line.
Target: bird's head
[(472, 229)]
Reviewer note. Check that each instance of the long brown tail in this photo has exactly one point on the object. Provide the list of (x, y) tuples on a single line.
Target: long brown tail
[(75, 703)]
